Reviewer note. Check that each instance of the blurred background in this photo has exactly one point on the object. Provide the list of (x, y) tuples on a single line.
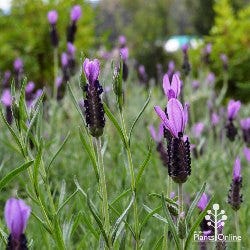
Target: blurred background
[(155, 31)]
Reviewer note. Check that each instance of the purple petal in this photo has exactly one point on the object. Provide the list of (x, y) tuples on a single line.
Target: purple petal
[(202, 202), (6, 98), (64, 59), (124, 53), (237, 169), (176, 85), (52, 16), (91, 69), (18, 64), (71, 49), (122, 40), (233, 109), (153, 133), (245, 123), (215, 119), (30, 87), (166, 84), (247, 153), (197, 129), (75, 13)]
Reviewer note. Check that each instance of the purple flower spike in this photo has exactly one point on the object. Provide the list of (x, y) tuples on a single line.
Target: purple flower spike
[(122, 40), (52, 17), (208, 48), (246, 152), (245, 123), (172, 90), (237, 169), (59, 81), (177, 117), (203, 202), (210, 79), (157, 137), (197, 129), (64, 59), (6, 98), (124, 53), (215, 119), (18, 64), (16, 214), (30, 87), (224, 58), (91, 70), (71, 49), (233, 109), (75, 13)]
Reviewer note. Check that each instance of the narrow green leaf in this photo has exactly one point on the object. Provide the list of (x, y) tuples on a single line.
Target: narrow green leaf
[(7, 178), (119, 197), (197, 223), (66, 201), (121, 218), (59, 150), (89, 225), (138, 117), (168, 200), (171, 224), (41, 222), (156, 215), (115, 123), (144, 165), (194, 203), (93, 210), (90, 152), (158, 243)]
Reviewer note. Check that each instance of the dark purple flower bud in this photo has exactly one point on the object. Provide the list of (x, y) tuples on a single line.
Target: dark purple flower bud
[(94, 112), (18, 65), (246, 152), (202, 203), (185, 65), (122, 41), (6, 98), (91, 70), (75, 13), (52, 17), (16, 214), (231, 130), (197, 129), (233, 108), (245, 126), (172, 90), (234, 196), (30, 87)]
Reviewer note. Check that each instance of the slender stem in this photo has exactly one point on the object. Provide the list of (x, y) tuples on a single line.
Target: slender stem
[(180, 198), (103, 188), (133, 184), (55, 71), (237, 228)]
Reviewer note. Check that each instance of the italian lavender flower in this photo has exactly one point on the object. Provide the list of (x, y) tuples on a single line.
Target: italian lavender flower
[(6, 100), (245, 126), (71, 57), (142, 74), (172, 90), (232, 111), (94, 111), (124, 52), (18, 70), (75, 15), (197, 129), (185, 65), (171, 68), (6, 79), (246, 152), (206, 53), (122, 41), (215, 119), (52, 18), (174, 121), (224, 60), (210, 80), (16, 214), (30, 87), (160, 147), (234, 196)]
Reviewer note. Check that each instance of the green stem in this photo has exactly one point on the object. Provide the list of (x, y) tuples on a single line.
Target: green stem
[(180, 198), (133, 184), (237, 228), (103, 188)]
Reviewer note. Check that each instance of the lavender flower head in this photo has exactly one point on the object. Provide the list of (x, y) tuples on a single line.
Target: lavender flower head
[(122, 40), (246, 152), (52, 17), (6, 98), (91, 70), (124, 52), (233, 109), (215, 119), (30, 87), (156, 136), (172, 90), (245, 123), (71, 49), (197, 129), (16, 214), (59, 81), (18, 65), (202, 203), (75, 13), (210, 79)]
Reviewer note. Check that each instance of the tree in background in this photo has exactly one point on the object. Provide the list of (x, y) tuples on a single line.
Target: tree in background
[(25, 34)]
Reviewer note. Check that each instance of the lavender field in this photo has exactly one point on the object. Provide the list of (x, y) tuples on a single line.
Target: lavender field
[(119, 132)]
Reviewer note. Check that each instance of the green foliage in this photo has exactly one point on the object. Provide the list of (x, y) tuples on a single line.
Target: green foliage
[(230, 35), (25, 34)]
